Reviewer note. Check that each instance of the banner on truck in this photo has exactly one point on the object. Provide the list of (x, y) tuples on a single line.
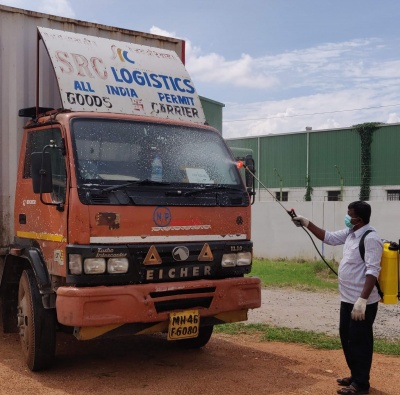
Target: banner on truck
[(103, 75)]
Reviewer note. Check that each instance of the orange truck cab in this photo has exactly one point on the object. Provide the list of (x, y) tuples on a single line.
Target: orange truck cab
[(130, 214)]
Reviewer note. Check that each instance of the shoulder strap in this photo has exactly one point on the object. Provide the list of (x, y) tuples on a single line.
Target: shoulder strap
[(361, 246)]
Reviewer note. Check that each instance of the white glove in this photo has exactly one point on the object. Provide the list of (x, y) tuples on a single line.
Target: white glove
[(300, 221), (358, 312)]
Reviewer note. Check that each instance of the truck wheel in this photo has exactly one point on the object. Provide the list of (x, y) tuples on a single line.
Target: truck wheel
[(37, 325), (205, 333)]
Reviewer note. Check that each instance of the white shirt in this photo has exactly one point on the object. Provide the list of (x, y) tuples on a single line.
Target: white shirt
[(352, 269)]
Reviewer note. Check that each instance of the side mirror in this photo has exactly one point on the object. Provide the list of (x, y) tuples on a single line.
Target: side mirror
[(41, 172), (250, 185)]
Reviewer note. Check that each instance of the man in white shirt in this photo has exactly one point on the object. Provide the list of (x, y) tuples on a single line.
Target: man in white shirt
[(359, 296)]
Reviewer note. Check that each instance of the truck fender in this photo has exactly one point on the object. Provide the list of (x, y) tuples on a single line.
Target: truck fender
[(13, 266), (34, 256)]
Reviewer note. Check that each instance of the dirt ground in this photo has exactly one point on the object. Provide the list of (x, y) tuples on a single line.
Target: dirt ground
[(227, 365), (318, 312)]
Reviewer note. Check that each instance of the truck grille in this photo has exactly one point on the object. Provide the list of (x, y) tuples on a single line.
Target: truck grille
[(182, 304), (172, 300), (99, 199)]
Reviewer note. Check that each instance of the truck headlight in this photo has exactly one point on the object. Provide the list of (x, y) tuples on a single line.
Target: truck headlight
[(75, 263), (117, 265), (94, 265), (228, 260), (236, 259), (243, 259)]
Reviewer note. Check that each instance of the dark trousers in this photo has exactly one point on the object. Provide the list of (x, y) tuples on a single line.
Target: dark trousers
[(358, 342)]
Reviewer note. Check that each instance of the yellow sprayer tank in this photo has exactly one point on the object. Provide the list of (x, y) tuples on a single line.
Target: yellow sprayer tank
[(389, 276)]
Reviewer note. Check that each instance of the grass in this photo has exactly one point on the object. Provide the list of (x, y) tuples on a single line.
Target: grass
[(315, 340), (313, 276), (276, 334)]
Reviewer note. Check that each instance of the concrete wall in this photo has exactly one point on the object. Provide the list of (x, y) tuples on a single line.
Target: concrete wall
[(275, 236), (320, 194)]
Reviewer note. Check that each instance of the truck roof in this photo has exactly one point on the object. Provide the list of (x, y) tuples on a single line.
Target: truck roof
[(52, 116), (13, 16)]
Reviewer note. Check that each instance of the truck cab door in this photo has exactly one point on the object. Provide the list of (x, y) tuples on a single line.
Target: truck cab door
[(41, 219)]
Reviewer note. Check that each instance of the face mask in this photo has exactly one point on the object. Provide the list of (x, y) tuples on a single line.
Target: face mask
[(347, 221)]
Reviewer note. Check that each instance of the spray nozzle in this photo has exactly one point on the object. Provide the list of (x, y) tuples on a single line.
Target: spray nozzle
[(292, 213), (240, 164)]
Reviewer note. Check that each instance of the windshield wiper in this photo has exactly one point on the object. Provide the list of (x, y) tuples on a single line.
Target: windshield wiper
[(135, 182), (211, 188)]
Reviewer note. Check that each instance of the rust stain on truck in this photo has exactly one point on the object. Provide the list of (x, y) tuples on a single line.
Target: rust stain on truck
[(112, 220)]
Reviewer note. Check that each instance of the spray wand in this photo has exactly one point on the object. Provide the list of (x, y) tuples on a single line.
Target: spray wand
[(291, 212)]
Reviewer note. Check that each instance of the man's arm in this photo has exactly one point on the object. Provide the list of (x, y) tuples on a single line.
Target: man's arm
[(369, 284), (316, 231)]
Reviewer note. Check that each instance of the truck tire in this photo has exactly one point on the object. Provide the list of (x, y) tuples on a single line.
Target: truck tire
[(201, 340), (37, 325)]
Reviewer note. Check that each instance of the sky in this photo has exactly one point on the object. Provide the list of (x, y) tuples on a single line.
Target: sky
[(278, 66)]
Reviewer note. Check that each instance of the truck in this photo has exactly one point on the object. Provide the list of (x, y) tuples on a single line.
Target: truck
[(122, 211)]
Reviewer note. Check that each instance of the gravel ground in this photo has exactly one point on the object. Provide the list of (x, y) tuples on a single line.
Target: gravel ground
[(235, 365), (317, 312)]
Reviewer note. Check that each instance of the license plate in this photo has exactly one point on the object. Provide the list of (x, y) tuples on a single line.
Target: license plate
[(183, 325)]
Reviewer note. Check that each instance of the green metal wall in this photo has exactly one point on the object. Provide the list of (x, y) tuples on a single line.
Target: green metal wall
[(334, 156), (385, 156), (283, 161), (213, 112)]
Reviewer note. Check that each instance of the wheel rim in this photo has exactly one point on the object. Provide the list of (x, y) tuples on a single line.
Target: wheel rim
[(23, 321)]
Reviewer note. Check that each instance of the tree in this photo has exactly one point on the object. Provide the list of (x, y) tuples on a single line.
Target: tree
[(309, 190), (365, 130)]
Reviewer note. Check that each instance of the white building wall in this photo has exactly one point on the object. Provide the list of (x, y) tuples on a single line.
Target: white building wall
[(350, 194), (275, 236)]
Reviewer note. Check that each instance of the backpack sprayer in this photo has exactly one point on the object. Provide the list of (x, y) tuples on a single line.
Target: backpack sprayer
[(389, 278)]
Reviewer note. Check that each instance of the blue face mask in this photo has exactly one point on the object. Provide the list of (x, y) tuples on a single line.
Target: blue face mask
[(347, 221)]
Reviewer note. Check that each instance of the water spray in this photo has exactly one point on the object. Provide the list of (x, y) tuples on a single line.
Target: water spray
[(291, 212)]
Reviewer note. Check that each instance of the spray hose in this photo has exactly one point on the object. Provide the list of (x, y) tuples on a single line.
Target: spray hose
[(290, 212)]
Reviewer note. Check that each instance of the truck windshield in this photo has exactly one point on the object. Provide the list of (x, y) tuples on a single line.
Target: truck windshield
[(113, 152)]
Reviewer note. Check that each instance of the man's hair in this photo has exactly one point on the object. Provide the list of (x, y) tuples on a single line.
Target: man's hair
[(362, 210)]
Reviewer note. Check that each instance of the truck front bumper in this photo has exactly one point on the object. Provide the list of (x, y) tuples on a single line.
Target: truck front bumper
[(146, 303)]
